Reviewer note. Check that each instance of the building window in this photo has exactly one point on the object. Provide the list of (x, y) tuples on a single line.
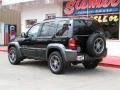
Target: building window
[(30, 23), (50, 16), (110, 25)]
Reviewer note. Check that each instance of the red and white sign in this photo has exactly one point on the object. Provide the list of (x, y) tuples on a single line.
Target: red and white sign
[(82, 7)]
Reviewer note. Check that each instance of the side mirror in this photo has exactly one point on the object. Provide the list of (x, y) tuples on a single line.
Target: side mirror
[(23, 34)]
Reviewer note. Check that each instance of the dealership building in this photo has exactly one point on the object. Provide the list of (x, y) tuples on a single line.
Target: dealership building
[(107, 12)]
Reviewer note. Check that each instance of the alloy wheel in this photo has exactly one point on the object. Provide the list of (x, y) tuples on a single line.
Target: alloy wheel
[(99, 45), (12, 55), (55, 63)]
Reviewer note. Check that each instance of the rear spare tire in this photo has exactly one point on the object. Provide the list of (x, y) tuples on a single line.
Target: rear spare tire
[(96, 45)]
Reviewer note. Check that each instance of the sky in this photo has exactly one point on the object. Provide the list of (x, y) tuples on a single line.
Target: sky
[(7, 2)]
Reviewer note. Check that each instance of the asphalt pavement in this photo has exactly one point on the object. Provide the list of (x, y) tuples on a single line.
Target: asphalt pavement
[(35, 75)]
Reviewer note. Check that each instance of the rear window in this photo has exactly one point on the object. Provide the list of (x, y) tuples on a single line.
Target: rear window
[(92, 23), (79, 23), (86, 27), (79, 27)]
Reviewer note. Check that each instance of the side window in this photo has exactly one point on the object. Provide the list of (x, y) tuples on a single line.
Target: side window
[(45, 29), (61, 30), (52, 28), (34, 30), (48, 29)]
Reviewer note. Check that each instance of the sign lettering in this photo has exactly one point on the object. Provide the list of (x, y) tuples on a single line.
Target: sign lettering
[(78, 7), (106, 18)]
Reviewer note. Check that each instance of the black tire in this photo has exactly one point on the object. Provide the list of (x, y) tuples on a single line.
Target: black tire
[(91, 64), (55, 58), (13, 56), (96, 45)]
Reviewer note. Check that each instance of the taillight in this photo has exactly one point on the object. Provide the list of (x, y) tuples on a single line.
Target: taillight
[(72, 44)]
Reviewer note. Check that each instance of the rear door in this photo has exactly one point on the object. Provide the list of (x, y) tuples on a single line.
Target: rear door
[(45, 37), (81, 32)]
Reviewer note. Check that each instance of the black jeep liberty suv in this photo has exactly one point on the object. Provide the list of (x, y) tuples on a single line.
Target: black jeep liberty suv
[(61, 42)]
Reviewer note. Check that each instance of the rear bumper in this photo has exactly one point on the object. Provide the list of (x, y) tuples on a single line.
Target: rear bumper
[(72, 55)]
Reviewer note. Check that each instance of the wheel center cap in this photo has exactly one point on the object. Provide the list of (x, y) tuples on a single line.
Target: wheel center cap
[(98, 45), (13, 55), (55, 62)]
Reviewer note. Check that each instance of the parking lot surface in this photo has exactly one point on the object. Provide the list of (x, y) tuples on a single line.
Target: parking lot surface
[(35, 75)]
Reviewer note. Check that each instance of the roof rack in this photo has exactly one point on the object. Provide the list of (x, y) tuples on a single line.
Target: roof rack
[(68, 17), (54, 18)]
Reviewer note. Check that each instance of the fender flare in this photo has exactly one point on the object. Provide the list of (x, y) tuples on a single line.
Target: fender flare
[(17, 46), (59, 47)]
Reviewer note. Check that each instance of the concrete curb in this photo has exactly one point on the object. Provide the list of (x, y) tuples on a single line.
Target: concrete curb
[(109, 65), (111, 61)]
